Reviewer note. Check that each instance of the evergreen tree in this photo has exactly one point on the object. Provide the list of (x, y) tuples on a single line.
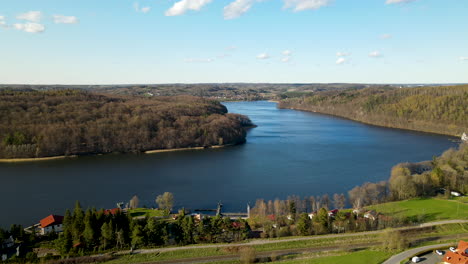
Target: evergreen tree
[(137, 236), (107, 235), (89, 232), (78, 222), (304, 225)]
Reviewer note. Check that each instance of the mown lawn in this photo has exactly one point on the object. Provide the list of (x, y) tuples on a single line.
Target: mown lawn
[(424, 210), (358, 257), (144, 211)]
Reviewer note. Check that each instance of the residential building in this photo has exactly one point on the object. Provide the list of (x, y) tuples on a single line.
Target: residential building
[(52, 223), (460, 256)]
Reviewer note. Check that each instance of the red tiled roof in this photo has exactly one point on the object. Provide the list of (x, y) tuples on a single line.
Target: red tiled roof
[(459, 256), (111, 211), (455, 258), (51, 220), (462, 248)]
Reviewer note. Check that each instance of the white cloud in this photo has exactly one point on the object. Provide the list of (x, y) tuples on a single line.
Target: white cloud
[(263, 56), (386, 36), (3, 23), (183, 6), (61, 19), (195, 60), (301, 5), (375, 54), (237, 8), (231, 48), (144, 9), (287, 52), (286, 59), (388, 2), (341, 60), (222, 56), (463, 58), (342, 54), (33, 16), (30, 27)]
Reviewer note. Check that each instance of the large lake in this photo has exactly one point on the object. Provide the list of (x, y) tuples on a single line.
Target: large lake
[(290, 152)]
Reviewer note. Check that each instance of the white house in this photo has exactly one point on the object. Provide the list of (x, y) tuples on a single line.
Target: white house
[(464, 137), (52, 223)]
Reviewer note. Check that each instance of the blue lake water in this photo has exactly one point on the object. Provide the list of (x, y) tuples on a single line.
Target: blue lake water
[(290, 152)]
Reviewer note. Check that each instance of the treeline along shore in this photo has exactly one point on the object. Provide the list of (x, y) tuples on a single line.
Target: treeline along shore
[(38, 124), (440, 110)]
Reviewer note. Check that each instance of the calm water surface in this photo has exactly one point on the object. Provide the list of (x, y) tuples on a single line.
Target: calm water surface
[(290, 152)]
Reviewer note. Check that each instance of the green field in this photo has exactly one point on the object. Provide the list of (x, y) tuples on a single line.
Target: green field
[(424, 210), (358, 257), (146, 211)]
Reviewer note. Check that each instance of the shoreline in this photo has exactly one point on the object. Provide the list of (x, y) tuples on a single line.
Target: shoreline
[(19, 160), (373, 124), (186, 149), (35, 159)]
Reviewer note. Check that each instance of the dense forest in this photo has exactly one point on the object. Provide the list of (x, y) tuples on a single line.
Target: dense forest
[(72, 122), (441, 110), (217, 91)]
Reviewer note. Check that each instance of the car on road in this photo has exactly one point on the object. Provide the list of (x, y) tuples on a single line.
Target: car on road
[(439, 252), (415, 259), (452, 249)]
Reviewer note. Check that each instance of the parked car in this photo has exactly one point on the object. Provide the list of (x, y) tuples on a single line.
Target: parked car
[(439, 252), (452, 249), (415, 259)]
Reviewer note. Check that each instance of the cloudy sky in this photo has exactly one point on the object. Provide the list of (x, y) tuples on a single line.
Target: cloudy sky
[(193, 41)]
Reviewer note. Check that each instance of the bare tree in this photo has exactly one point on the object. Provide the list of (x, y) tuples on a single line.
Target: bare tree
[(134, 202), (165, 201), (339, 200), (326, 201)]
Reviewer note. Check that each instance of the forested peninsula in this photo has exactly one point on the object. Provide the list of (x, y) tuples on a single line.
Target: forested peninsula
[(441, 110), (36, 124)]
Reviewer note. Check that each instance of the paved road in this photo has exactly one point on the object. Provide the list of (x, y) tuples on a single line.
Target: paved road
[(273, 241), (409, 253)]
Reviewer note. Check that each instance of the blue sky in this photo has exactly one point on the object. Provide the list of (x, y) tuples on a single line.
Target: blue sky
[(193, 41)]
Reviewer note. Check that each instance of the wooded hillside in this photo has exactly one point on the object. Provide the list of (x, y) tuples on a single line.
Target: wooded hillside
[(442, 110), (69, 122)]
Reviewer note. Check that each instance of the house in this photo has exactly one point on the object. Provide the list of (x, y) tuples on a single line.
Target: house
[(372, 215), (52, 223), (312, 215), (464, 137), (332, 213), (460, 256), (112, 211), (8, 243), (197, 217)]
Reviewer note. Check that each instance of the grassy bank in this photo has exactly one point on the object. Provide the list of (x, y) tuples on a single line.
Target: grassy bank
[(424, 210)]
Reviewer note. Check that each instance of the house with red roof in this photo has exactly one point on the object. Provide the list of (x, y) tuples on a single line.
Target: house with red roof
[(460, 256), (112, 211), (52, 223)]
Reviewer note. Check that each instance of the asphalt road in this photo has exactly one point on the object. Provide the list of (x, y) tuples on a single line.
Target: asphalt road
[(409, 253)]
